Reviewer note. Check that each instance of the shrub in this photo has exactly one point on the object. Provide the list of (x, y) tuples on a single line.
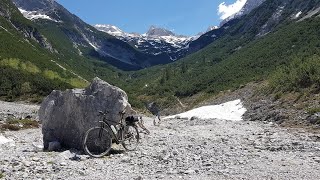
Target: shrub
[(312, 111), (76, 82), (29, 123), (16, 84), (16, 124), (51, 74), (297, 75), (10, 127), (11, 62)]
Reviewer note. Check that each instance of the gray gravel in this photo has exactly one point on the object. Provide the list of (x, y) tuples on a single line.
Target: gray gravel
[(18, 110), (177, 149)]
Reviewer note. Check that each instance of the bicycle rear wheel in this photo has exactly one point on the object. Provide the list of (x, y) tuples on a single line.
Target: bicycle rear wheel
[(97, 142), (130, 138)]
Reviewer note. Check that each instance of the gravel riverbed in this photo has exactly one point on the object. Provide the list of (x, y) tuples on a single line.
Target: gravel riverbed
[(18, 110), (177, 149)]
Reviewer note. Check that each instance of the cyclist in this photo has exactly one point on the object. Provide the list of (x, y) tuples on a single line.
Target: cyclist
[(154, 109)]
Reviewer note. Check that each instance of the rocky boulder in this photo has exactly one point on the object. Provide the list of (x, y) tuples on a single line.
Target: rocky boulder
[(67, 115)]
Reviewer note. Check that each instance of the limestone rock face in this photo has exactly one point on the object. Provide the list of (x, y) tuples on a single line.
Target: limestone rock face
[(66, 116)]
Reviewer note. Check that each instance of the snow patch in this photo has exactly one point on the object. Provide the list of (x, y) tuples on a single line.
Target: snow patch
[(310, 14), (298, 14), (33, 15), (94, 47), (232, 110)]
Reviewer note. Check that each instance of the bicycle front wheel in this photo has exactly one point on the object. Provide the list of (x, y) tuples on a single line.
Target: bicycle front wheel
[(130, 138), (97, 142)]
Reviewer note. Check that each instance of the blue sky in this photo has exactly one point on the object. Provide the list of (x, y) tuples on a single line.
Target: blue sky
[(187, 17)]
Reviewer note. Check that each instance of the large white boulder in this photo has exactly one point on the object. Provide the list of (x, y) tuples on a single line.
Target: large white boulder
[(66, 116)]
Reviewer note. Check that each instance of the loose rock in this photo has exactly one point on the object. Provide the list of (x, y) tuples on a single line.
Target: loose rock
[(206, 149)]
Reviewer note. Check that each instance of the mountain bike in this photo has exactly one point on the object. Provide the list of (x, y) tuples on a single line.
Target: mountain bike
[(98, 140)]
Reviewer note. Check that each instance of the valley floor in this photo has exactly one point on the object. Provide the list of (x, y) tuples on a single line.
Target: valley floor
[(17, 110), (177, 149)]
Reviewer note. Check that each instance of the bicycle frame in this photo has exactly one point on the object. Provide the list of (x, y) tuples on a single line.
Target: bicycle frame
[(104, 123)]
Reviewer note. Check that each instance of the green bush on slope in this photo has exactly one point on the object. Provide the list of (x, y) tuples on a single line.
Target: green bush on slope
[(297, 75), (25, 80)]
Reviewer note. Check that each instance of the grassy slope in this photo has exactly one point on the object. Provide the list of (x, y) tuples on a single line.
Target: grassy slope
[(19, 55), (27, 71)]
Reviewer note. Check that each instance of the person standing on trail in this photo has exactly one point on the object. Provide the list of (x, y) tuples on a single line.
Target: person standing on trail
[(154, 109)]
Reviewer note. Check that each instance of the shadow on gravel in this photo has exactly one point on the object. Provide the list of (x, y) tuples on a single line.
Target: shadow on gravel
[(112, 152), (116, 151)]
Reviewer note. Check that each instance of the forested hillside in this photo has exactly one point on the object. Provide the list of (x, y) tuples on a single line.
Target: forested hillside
[(278, 42), (287, 55)]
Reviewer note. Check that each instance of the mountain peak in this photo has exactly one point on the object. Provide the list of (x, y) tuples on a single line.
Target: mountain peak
[(249, 6), (210, 28), (110, 29), (246, 9), (157, 31), (36, 5)]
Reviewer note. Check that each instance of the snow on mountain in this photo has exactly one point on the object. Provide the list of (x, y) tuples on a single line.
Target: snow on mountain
[(154, 33), (110, 29), (39, 9), (298, 15), (33, 15), (212, 28), (156, 41)]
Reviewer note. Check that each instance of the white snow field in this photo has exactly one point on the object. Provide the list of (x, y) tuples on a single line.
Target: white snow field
[(232, 110)]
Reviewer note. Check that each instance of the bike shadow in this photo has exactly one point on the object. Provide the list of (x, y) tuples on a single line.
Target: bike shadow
[(116, 151)]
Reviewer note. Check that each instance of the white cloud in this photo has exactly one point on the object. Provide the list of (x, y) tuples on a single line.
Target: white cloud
[(225, 10)]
